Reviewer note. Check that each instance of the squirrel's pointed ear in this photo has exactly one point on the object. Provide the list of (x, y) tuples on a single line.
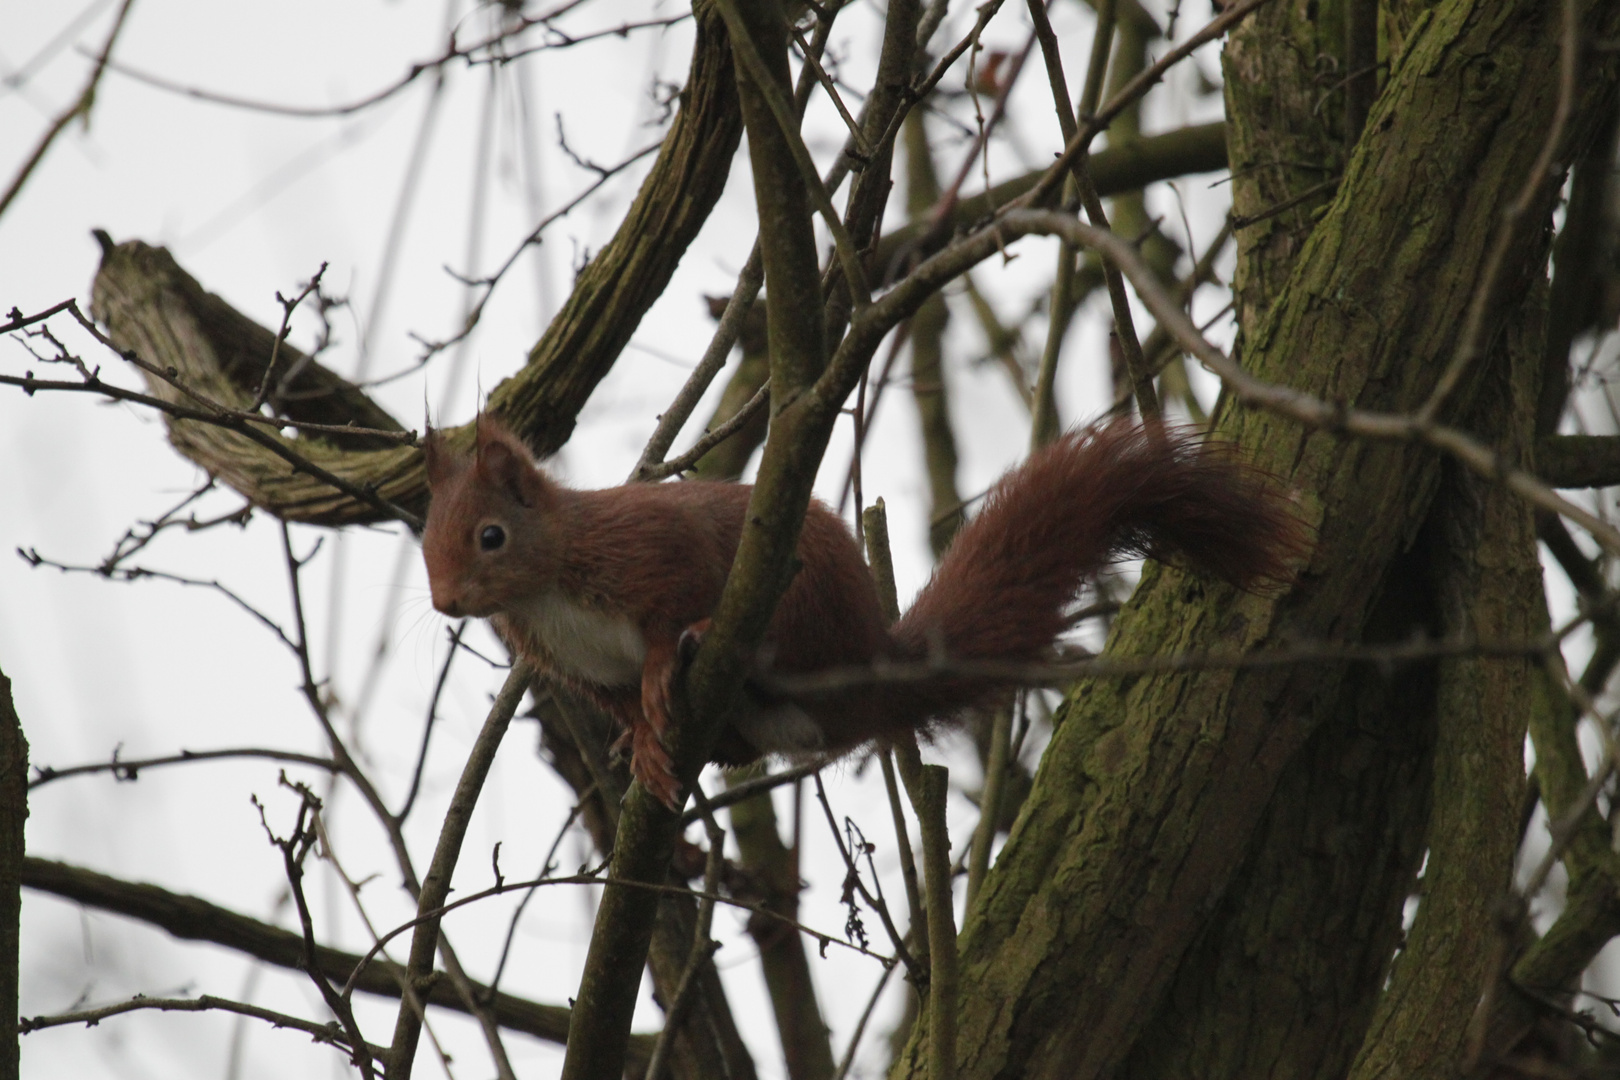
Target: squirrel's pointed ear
[(505, 462), (439, 459)]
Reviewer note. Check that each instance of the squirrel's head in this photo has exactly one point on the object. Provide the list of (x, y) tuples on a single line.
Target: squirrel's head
[(490, 535)]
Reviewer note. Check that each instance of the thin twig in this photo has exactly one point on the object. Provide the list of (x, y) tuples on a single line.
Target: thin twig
[(908, 861), (18, 320), (748, 789), (1147, 398), (860, 1025), (853, 879), (436, 882), (786, 117), (921, 89), (596, 763), (137, 573), (126, 770), (714, 358), (193, 918), (1158, 346), (476, 313), (711, 439), (414, 72), (231, 419), (1125, 97), (995, 775), (1306, 409), (212, 412), (842, 679), (1243, 221), (547, 865), (880, 560), (865, 413), (287, 309), (827, 84), (1562, 829), (822, 938), (432, 716), (330, 1033), (953, 192), (310, 689), (80, 109), (294, 848), (407, 992), (133, 541)]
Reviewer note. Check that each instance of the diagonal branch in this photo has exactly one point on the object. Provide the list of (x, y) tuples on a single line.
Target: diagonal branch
[(80, 109), (145, 301), (436, 882), (323, 1033), (194, 919)]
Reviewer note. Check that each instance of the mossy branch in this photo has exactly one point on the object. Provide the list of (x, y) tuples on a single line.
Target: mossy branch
[(151, 306)]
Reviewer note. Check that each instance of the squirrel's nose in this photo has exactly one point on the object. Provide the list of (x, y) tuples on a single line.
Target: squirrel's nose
[(448, 607)]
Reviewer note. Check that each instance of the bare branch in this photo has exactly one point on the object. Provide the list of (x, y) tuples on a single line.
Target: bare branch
[(703, 948), (875, 901), (735, 423), (427, 726), (487, 51), (436, 883), (329, 1033), (80, 109), (294, 848), (1417, 650), (476, 313), (1129, 93), (130, 769), (749, 788), (138, 573), (195, 919), (714, 358), (787, 122)]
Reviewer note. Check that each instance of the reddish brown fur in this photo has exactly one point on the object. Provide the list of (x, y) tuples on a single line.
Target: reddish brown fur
[(1002, 589), (635, 566)]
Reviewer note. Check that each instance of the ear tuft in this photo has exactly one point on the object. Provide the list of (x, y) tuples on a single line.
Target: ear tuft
[(440, 459), (504, 461)]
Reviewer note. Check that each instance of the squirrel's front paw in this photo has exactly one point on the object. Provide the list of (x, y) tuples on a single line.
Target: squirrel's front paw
[(650, 763)]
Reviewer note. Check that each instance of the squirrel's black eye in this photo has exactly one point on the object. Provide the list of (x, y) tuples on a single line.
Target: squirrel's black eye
[(492, 537)]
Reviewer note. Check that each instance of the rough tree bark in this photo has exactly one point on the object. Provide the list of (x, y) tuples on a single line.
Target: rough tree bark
[(148, 304), (1149, 862)]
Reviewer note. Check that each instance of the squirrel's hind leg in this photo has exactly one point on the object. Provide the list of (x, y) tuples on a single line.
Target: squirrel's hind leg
[(650, 760)]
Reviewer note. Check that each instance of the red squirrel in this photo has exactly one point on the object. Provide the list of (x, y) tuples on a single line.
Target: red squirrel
[(598, 587)]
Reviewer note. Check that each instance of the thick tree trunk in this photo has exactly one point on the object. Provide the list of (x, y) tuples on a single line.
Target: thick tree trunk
[(1164, 805), (1488, 574), (1282, 980)]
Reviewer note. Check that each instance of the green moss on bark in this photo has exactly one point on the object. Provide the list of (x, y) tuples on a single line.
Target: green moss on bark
[(1152, 791)]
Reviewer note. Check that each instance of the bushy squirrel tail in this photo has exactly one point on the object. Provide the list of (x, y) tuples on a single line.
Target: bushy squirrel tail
[(1002, 590)]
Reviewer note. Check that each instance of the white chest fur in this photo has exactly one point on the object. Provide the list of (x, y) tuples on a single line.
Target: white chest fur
[(581, 642)]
